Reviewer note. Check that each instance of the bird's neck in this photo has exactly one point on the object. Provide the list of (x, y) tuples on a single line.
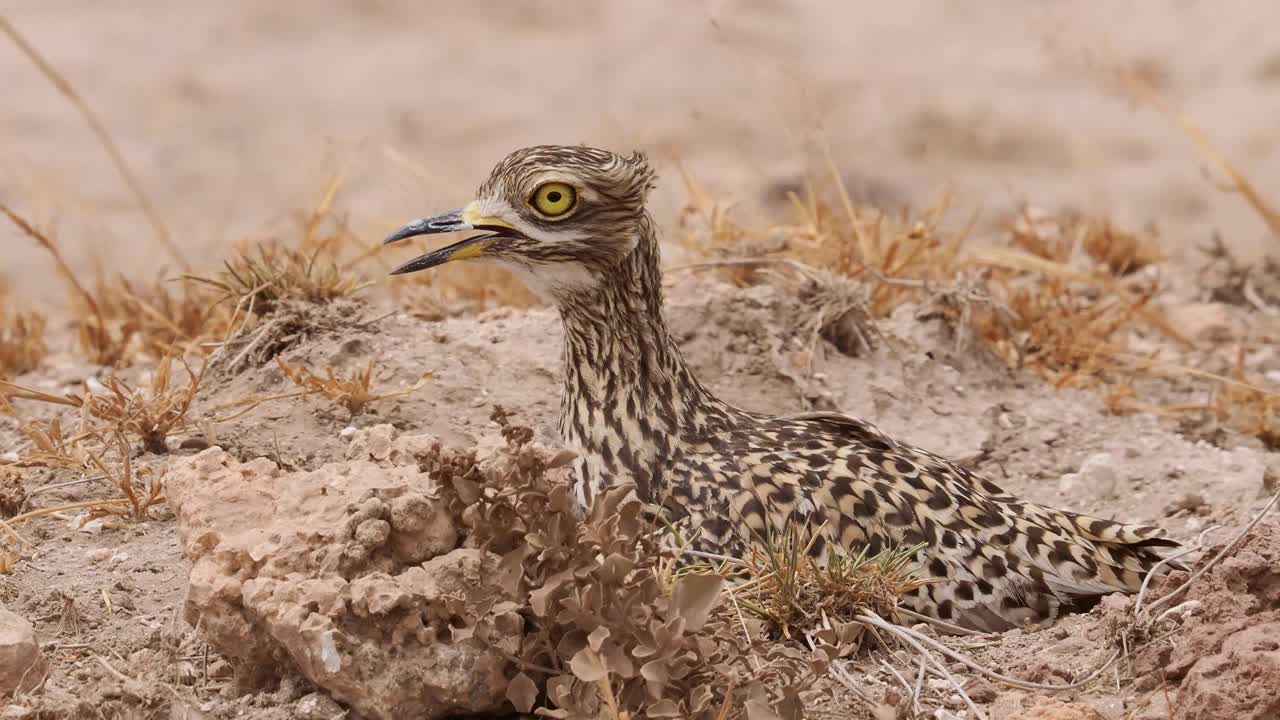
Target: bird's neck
[(629, 397)]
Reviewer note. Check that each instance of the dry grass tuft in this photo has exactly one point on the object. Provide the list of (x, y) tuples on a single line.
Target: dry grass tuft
[(275, 273), (52, 447), (150, 414), (352, 392), (308, 267), (1064, 296), (795, 594), (22, 343), (119, 320), (606, 636), (1120, 251), (138, 497)]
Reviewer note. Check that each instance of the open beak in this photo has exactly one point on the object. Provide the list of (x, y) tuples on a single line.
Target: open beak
[(467, 218)]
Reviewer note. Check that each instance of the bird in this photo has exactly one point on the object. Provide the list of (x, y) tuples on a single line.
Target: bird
[(571, 222)]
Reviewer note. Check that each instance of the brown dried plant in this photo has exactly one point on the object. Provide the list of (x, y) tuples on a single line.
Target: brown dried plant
[(795, 593), (275, 273), (118, 319), (307, 267), (52, 447), (1060, 295), (138, 500), (100, 342), (352, 392), (165, 317), (22, 345), (605, 634), (150, 414)]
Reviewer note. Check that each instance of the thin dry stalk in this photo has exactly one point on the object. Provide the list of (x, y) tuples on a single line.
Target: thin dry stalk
[(1141, 90), (1239, 537), (353, 392), (102, 342), (794, 591), (22, 345), (125, 479), (151, 414), (51, 447), (104, 137)]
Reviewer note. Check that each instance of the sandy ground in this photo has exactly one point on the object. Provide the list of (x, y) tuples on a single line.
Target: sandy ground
[(234, 113)]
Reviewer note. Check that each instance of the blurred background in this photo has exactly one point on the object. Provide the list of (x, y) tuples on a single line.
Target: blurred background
[(234, 113)]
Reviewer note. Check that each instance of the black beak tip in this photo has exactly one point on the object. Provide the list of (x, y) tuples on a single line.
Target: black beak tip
[(408, 231)]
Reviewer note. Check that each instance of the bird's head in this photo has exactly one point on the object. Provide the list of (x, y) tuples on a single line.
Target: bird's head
[(560, 216)]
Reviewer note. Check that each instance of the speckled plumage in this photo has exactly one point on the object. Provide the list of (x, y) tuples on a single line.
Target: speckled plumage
[(634, 412)]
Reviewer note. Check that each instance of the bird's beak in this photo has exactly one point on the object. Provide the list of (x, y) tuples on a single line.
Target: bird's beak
[(468, 218)]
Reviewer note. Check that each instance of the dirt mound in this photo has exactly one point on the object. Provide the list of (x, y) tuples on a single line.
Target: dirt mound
[(333, 567), (1228, 657), (414, 580)]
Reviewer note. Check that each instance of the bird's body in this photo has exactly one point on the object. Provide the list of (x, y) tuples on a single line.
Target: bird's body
[(635, 413)]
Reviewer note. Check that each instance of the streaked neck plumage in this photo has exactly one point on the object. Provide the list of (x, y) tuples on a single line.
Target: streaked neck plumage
[(630, 403)]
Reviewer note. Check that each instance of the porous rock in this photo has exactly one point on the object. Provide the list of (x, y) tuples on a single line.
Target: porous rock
[(348, 574), (1229, 652), (22, 664)]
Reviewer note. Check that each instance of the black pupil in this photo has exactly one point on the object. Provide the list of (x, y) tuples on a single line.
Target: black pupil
[(553, 196)]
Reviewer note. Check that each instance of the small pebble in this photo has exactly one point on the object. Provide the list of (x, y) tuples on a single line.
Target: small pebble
[(1191, 502), (317, 706), (93, 527), (347, 431), (98, 554), (1097, 474)]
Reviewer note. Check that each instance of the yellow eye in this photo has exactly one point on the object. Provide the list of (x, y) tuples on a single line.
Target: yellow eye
[(554, 199)]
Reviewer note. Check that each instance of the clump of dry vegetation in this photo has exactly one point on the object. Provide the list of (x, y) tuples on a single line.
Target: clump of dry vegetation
[(353, 392), (137, 500), (149, 414), (308, 268), (119, 321), (795, 593), (609, 631), (22, 340), (276, 273), (1064, 296), (52, 447)]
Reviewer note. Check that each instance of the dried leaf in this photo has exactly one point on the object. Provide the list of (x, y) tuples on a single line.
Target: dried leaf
[(664, 709), (511, 569), (597, 637), (522, 693), (760, 710), (618, 661), (539, 599), (657, 674), (587, 665), (562, 458), (468, 491), (694, 597)]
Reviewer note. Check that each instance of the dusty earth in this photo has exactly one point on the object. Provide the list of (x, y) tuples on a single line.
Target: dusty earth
[(234, 113)]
